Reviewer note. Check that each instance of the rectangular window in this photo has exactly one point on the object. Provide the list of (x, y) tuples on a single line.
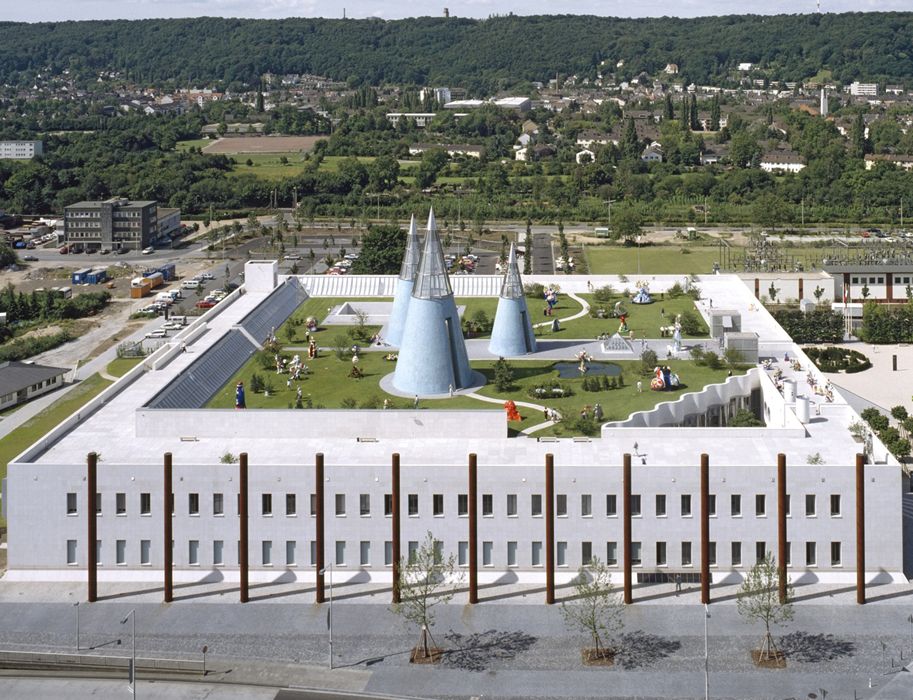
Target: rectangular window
[(736, 554), (811, 554), (218, 504), (217, 556), (462, 505), (635, 554), (760, 551), (488, 505), (72, 501), (388, 553), (193, 503), (535, 505), (586, 506), (835, 505), (291, 504), (660, 553), (340, 553), (511, 505), (413, 504), (266, 504), (313, 504), (735, 505), (388, 504), (412, 549), (340, 504), (760, 505), (145, 504), (635, 505), (266, 549), (810, 505), (120, 504), (611, 554), (711, 505), (97, 504), (312, 545), (71, 552), (789, 553), (711, 553), (145, 552), (611, 506), (835, 554), (120, 552), (686, 505), (364, 553), (686, 554), (561, 505), (562, 553), (193, 552), (290, 553), (364, 504), (789, 506), (487, 548), (462, 553), (586, 553), (511, 553), (536, 554), (660, 505), (437, 505), (98, 552)]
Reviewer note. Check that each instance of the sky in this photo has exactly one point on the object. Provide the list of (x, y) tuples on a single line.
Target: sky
[(58, 10)]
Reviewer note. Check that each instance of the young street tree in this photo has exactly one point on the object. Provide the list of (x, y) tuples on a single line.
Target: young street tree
[(426, 579), (597, 609), (759, 601)]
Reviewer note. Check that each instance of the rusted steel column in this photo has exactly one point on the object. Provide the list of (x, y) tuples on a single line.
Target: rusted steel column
[(243, 544), (550, 529), (395, 522), (473, 531), (781, 526), (705, 529), (92, 534), (168, 535), (320, 595), (860, 529), (626, 513)]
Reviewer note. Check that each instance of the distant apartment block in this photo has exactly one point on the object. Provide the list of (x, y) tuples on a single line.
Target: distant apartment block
[(21, 150), (421, 119), (864, 89), (112, 224)]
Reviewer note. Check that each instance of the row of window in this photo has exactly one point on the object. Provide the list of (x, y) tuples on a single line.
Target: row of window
[(535, 550), (661, 509)]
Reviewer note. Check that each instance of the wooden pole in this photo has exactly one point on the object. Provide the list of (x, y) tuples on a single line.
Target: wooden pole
[(320, 595), (92, 534), (395, 520), (473, 531), (860, 529), (550, 529), (781, 526), (705, 529), (243, 545), (167, 531), (626, 512)]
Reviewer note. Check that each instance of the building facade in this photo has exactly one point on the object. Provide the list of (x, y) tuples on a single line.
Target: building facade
[(21, 150), (112, 224)]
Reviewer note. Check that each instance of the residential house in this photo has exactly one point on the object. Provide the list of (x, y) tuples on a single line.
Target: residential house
[(782, 162), (901, 161), (21, 381)]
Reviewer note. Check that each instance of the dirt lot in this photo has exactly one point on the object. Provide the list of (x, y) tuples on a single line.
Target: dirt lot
[(262, 144)]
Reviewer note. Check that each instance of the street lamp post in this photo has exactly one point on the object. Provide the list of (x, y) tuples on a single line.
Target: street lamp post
[(132, 617), (706, 654), (323, 571), (76, 605)]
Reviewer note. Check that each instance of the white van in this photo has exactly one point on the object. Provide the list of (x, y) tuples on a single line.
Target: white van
[(182, 320), (191, 284), (164, 298)]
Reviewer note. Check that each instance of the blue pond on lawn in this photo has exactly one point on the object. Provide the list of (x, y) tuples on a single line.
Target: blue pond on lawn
[(571, 370)]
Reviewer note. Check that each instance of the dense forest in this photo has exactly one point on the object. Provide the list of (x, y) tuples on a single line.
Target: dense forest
[(482, 55)]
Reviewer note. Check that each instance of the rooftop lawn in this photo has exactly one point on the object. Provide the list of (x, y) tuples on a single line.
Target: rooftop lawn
[(654, 260), (121, 365), (643, 320)]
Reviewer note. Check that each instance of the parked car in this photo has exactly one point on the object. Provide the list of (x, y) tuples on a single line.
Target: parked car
[(208, 276), (148, 251), (293, 256), (205, 304), (29, 258), (157, 333)]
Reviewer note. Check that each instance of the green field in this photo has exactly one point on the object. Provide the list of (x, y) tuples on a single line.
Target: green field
[(654, 260), (122, 365), (192, 143)]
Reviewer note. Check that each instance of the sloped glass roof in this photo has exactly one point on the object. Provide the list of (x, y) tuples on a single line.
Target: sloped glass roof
[(513, 285), (413, 256), (431, 280)]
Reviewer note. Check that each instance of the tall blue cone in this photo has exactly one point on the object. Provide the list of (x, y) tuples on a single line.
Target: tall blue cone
[(432, 355), (512, 333), (403, 293)]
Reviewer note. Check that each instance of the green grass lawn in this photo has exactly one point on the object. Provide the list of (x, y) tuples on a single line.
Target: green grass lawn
[(268, 166), (644, 320), (565, 307), (318, 308), (33, 429), (192, 143), (654, 260), (120, 366)]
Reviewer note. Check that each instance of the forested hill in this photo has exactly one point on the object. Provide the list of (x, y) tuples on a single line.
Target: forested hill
[(482, 55)]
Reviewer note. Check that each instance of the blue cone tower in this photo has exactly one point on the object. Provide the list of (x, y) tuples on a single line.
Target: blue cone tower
[(403, 293), (432, 355), (512, 333)]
